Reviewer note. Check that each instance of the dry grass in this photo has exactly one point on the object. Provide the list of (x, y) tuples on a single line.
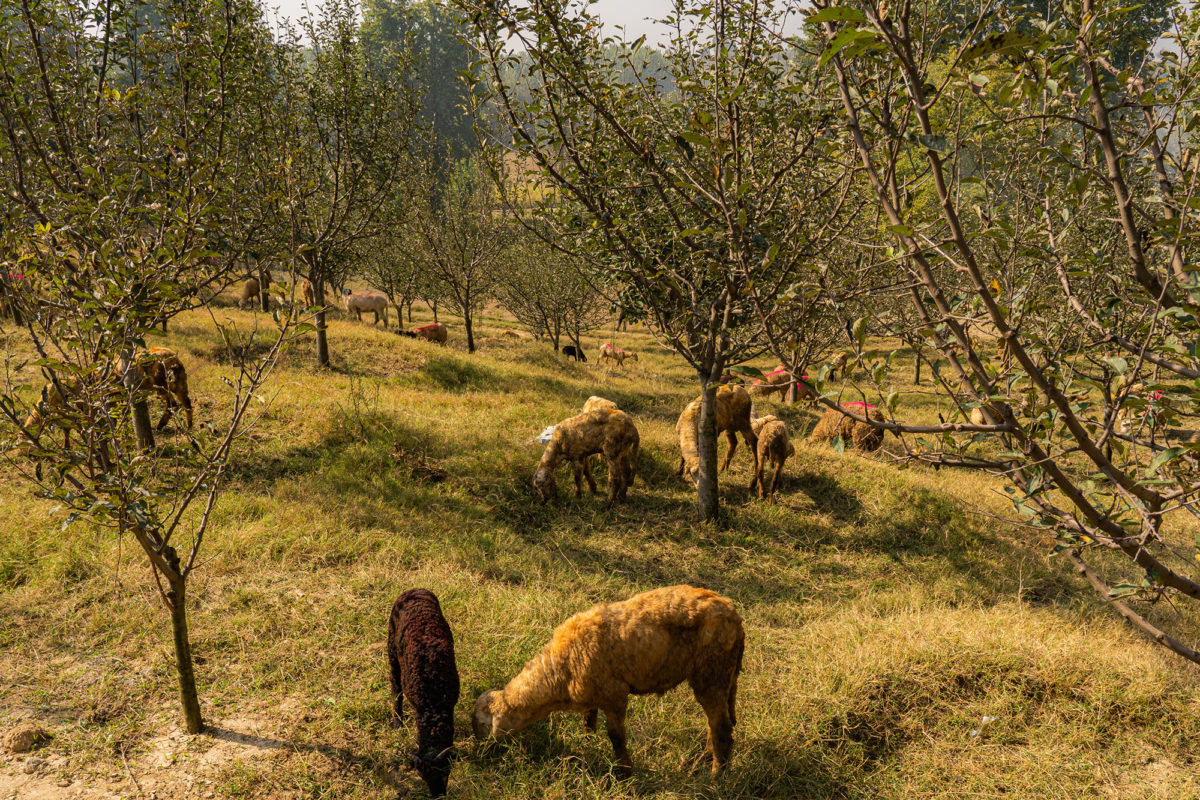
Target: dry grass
[(885, 616)]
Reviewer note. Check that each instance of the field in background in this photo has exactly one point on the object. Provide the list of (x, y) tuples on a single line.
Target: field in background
[(887, 611)]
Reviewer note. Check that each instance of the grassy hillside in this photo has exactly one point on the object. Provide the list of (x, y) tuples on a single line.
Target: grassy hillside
[(887, 611)]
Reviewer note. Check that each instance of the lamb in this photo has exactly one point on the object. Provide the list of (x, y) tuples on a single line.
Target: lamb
[(834, 423), (647, 644), (571, 351), (733, 415), (358, 303), (838, 363), (605, 431), (433, 332), (421, 667), (773, 446)]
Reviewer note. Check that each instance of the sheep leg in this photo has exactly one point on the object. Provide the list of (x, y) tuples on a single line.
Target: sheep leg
[(589, 719), (679, 469), (577, 471), (731, 437), (587, 473), (775, 480), (752, 444), (716, 707), (614, 723)]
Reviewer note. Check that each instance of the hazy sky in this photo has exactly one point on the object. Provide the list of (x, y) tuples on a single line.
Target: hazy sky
[(632, 14)]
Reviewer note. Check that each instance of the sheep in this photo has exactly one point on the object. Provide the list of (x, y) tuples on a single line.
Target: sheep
[(250, 290), (50, 405), (421, 667), (778, 380), (160, 369), (647, 644), (838, 364), (308, 292), (610, 352), (358, 303), (511, 334), (433, 332), (571, 351), (733, 415), (773, 446), (605, 431), (834, 423)]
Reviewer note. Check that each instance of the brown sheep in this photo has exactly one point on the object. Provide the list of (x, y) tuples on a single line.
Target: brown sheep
[(834, 423), (603, 431), (162, 371), (250, 291), (434, 332), (308, 292), (774, 446), (647, 644), (733, 415), (610, 352)]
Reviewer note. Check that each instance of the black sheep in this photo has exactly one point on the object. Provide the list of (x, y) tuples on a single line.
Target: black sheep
[(571, 351), (420, 654)]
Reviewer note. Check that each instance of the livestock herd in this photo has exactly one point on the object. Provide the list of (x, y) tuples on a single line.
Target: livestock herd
[(647, 644)]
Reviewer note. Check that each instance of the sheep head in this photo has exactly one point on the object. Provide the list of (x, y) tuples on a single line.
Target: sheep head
[(544, 485), (485, 721), (434, 768)]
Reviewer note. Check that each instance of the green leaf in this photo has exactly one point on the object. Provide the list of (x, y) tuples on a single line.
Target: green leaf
[(859, 331), (838, 14), (934, 141), (1009, 42), (892, 399), (844, 39), (901, 230), (839, 445), (1170, 454), (744, 369)]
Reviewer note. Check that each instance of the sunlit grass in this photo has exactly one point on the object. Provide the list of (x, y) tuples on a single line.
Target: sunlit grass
[(886, 612)]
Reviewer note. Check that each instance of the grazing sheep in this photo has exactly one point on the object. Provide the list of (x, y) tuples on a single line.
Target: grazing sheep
[(647, 644), (571, 351), (358, 303), (308, 292), (605, 431), (780, 380), (160, 369), (733, 415), (250, 290), (610, 352), (511, 334), (774, 446), (834, 423), (838, 364), (420, 654), (433, 332), (49, 407)]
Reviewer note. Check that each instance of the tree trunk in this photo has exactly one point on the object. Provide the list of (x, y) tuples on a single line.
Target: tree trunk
[(470, 333), (137, 406), (409, 304), (434, 306), (264, 284), (177, 599), (917, 367), (322, 338), (707, 490)]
